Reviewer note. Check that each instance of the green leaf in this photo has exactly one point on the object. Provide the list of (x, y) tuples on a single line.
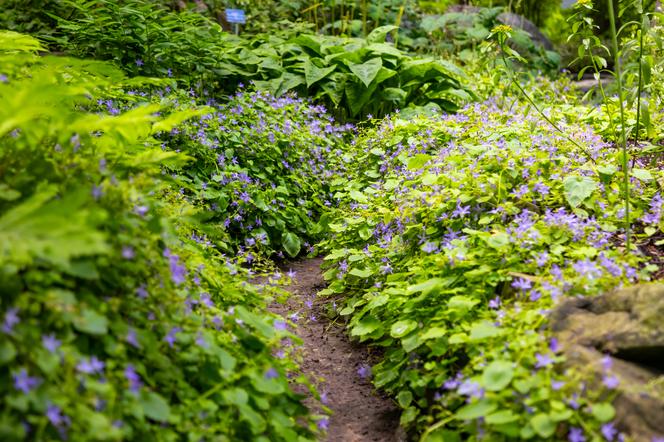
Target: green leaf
[(543, 425), (405, 397), (366, 71), (7, 352), (379, 34), (501, 417), (154, 406), (402, 328), (603, 412), (313, 73), (361, 273), (367, 325), (481, 408), (497, 375), (358, 196), (484, 330), (91, 322), (642, 174), (418, 161), (578, 189), (291, 243)]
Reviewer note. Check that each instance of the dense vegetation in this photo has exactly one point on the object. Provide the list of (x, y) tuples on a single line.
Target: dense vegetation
[(153, 163)]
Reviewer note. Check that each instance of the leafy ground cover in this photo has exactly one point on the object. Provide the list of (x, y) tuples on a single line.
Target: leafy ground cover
[(135, 210), (460, 233), (120, 320)]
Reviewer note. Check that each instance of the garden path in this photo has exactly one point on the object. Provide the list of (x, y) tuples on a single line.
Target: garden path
[(334, 364)]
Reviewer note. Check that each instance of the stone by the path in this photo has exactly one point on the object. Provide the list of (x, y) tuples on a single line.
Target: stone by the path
[(627, 326)]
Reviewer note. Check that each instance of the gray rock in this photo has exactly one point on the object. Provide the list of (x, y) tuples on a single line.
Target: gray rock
[(628, 326), (521, 22)]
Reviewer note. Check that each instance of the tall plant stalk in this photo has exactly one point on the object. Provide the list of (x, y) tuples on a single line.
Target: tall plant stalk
[(640, 86), (625, 160)]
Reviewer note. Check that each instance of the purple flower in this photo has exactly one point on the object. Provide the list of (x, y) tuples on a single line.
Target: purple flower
[(522, 284), (608, 431), (97, 192), (171, 336), (470, 388), (280, 325), (51, 343), (553, 345), (364, 371), (139, 62), (128, 252), (271, 373), (25, 383), (291, 274), (56, 417), (576, 435), (557, 385), (133, 378), (141, 291), (141, 210), (494, 303), (543, 360), (323, 424), (11, 320), (132, 339), (611, 382), (324, 400), (91, 366), (178, 271), (460, 211), (607, 362)]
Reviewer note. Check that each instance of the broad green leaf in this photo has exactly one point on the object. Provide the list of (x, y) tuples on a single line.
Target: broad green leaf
[(313, 73), (367, 325), (501, 417), (7, 352), (497, 375), (291, 243), (379, 34), (154, 406), (481, 408), (405, 397), (603, 412), (543, 425), (418, 161), (366, 71), (361, 273), (578, 189), (91, 322), (402, 328), (642, 174), (484, 330)]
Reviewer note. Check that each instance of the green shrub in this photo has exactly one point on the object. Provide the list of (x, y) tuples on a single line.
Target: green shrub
[(117, 323)]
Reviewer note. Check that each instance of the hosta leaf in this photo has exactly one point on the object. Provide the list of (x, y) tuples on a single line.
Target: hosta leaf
[(313, 73), (366, 71), (477, 409)]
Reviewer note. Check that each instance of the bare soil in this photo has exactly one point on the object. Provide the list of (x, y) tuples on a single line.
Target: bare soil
[(332, 361)]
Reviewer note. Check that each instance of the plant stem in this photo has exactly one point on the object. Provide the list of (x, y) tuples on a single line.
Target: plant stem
[(640, 87), (548, 120), (625, 161)]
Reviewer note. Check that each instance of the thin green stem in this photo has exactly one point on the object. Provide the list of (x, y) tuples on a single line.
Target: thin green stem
[(548, 120), (640, 87), (625, 160)]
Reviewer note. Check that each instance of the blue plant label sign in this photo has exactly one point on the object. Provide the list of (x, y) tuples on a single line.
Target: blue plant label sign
[(235, 16)]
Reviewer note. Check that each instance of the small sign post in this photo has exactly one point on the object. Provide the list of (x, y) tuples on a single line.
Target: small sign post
[(237, 17)]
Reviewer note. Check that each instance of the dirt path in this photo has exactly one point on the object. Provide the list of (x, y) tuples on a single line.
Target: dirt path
[(336, 365)]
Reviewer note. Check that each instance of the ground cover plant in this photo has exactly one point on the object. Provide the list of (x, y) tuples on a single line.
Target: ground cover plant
[(461, 233), (159, 176), (118, 322)]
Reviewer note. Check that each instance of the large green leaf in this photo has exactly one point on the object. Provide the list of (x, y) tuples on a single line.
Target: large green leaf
[(497, 375), (154, 406), (578, 189), (379, 34), (313, 73), (291, 243), (366, 71)]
